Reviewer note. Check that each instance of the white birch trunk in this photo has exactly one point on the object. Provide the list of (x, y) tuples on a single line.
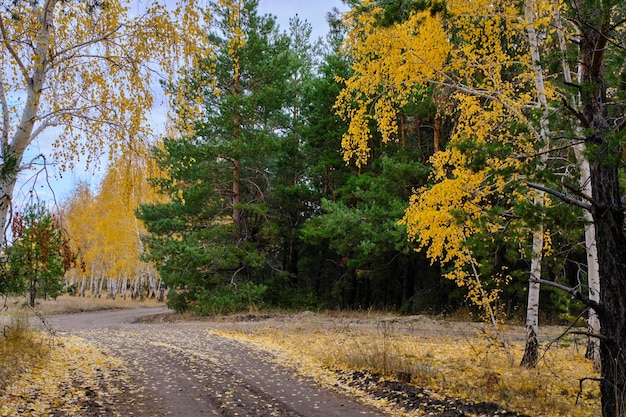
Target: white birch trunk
[(12, 151), (124, 287), (100, 285), (82, 287), (593, 269), (531, 351), (92, 285)]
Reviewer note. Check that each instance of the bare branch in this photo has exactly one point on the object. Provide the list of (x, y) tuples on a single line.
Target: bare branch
[(580, 194), (590, 334), (622, 124), (580, 387), (561, 196), (581, 117), (552, 150), (490, 95), (12, 51), (93, 41), (574, 292)]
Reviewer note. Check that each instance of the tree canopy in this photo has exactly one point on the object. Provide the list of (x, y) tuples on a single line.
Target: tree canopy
[(80, 76)]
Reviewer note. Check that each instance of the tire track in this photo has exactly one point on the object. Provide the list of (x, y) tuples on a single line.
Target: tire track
[(187, 371)]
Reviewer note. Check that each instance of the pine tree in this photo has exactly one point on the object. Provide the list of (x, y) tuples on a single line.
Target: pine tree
[(213, 239), (39, 254)]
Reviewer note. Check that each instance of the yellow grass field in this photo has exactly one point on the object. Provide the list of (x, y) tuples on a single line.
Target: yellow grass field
[(452, 359)]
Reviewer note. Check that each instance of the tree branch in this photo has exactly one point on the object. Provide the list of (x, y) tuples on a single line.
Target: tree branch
[(561, 196), (580, 386), (553, 150), (590, 334), (490, 95), (622, 124), (574, 292), (581, 117), (89, 42), (12, 51), (580, 194)]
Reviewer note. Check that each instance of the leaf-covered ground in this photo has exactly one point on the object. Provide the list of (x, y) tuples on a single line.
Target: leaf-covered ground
[(74, 379), (454, 374)]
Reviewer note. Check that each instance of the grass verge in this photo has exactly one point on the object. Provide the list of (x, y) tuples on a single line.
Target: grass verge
[(42, 374), (465, 365), (70, 304)]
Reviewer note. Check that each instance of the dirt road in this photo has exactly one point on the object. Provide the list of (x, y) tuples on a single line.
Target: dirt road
[(184, 370)]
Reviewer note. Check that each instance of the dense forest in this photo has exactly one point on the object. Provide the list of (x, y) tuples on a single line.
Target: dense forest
[(261, 195), (249, 202)]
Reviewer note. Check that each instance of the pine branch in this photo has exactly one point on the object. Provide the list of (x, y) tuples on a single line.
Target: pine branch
[(581, 117)]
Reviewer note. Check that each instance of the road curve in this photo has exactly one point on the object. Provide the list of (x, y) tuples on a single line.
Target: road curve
[(189, 372)]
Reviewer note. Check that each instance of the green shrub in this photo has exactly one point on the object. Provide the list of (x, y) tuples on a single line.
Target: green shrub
[(231, 299)]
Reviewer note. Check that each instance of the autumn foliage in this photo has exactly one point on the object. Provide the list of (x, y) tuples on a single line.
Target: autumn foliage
[(107, 235)]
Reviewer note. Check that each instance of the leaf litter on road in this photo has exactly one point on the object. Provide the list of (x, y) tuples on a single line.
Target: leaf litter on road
[(74, 379), (92, 383)]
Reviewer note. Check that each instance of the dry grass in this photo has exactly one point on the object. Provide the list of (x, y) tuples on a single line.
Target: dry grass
[(458, 363), (20, 349), (36, 363), (71, 304), (450, 358), (67, 381)]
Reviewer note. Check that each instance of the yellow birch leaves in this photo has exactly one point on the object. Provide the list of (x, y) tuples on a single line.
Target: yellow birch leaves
[(90, 69), (477, 50), (388, 62)]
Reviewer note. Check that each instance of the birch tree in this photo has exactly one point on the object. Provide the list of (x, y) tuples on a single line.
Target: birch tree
[(474, 178), (105, 230), (593, 279), (78, 76), (531, 351), (474, 67)]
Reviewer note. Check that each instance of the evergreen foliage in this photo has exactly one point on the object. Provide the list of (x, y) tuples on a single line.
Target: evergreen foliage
[(258, 207), (214, 238), (38, 257)]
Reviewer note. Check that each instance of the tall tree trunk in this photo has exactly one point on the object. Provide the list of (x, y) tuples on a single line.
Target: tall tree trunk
[(595, 26), (81, 292), (236, 199), (100, 285), (437, 132), (32, 294), (608, 217), (593, 276), (12, 152), (531, 351)]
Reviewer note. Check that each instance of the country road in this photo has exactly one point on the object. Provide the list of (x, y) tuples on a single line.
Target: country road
[(187, 371)]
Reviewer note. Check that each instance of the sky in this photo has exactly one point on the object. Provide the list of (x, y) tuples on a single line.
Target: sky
[(313, 11), (53, 188)]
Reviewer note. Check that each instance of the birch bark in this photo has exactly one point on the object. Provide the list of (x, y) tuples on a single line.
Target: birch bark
[(531, 351), (593, 274)]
